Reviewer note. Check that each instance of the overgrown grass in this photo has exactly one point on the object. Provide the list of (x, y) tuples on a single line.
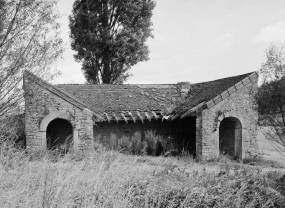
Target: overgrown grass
[(148, 143), (107, 178), (112, 179)]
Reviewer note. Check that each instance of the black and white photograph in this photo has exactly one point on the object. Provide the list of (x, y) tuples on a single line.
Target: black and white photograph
[(142, 103)]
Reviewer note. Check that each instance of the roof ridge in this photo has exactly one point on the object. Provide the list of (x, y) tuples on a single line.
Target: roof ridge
[(225, 78), (113, 84), (155, 83), (242, 80), (233, 89)]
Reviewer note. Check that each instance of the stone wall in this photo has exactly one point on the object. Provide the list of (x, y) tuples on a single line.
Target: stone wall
[(239, 105), (199, 134), (41, 102)]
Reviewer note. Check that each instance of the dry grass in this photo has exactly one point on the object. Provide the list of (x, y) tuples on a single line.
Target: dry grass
[(111, 179)]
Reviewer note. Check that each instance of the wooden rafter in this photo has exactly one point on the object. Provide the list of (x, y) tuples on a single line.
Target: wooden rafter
[(147, 116), (124, 117), (116, 118), (154, 114), (131, 115), (140, 117), (194, 109), (174, 117), (107, 117)]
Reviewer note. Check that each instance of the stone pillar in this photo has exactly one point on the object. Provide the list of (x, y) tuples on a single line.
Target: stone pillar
[(75, 140), (44, 140), (199, 135)]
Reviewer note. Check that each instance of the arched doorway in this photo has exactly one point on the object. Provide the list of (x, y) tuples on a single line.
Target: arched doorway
[(230, 137), (59, 134)]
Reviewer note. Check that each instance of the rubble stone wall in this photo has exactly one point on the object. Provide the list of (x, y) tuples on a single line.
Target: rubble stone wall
[(43, 105), (239, 105)]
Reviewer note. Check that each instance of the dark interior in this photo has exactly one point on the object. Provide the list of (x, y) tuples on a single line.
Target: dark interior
[(59, 134)]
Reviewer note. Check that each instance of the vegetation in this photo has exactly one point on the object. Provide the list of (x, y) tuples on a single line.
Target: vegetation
[(29, 40), (147, 144), (107, 178), (270, 98), (111, 179), (109, 37), (12, 131)]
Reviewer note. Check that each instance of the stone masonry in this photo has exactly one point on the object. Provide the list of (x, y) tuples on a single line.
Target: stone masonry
[(99, 111), (239, 105), (43, 103)]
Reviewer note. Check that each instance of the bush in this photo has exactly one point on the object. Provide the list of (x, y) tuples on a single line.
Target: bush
[(12, 130), (148, 144)]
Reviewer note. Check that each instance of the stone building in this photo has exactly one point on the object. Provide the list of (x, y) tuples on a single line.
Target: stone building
[(208, 119)]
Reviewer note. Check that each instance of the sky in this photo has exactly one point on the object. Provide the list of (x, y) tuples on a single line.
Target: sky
[(195, 40)]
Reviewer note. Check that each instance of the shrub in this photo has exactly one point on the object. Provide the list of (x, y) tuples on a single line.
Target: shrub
[(137, 145), (12, 130), (148, 144), (155, 144)]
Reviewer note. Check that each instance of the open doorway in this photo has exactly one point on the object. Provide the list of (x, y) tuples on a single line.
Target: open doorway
[(184, 132), (59, 135), (230, 137)]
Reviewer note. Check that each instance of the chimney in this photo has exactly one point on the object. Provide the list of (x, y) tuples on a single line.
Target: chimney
[(183, 88)]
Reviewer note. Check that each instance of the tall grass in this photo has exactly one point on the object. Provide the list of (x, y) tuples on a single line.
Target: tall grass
[(112, 179), (108, 178), (148, 143)]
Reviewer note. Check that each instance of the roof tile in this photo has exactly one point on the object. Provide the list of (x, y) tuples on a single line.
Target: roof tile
[(149, 97)]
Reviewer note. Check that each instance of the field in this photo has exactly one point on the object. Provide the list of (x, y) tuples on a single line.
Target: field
[(111, 179), (269, 152)]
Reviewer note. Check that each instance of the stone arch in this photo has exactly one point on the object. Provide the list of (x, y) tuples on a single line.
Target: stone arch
[(57, 116), (230, 137), (51, 116), (231, 131), (59, 134)]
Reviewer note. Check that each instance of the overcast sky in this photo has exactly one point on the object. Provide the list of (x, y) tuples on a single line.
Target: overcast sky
[(196, 40)]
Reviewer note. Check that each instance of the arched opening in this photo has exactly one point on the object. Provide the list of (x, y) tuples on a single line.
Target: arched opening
[(230, 137), (59, 135)]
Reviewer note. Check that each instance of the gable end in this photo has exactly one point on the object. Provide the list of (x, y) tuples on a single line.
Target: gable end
[(54, 90)]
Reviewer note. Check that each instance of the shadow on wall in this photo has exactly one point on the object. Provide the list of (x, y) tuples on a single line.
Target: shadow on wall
[(148, 143)]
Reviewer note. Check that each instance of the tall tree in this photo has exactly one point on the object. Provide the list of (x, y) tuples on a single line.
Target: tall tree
[(270, 98), (109, 37), (29, 40)]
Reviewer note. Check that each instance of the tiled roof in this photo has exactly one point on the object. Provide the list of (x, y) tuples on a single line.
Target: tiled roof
[(54, 89), (113, 100), (122, 98), (205, 91)]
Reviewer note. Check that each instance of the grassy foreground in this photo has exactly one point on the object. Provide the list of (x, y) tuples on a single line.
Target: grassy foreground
[(111, 179)]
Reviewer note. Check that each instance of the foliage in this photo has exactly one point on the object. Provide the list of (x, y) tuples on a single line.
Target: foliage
[(29, 40), (109, 37), (274, 67), (148, 143), (270, 98), (111, 179), (12, 130)]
